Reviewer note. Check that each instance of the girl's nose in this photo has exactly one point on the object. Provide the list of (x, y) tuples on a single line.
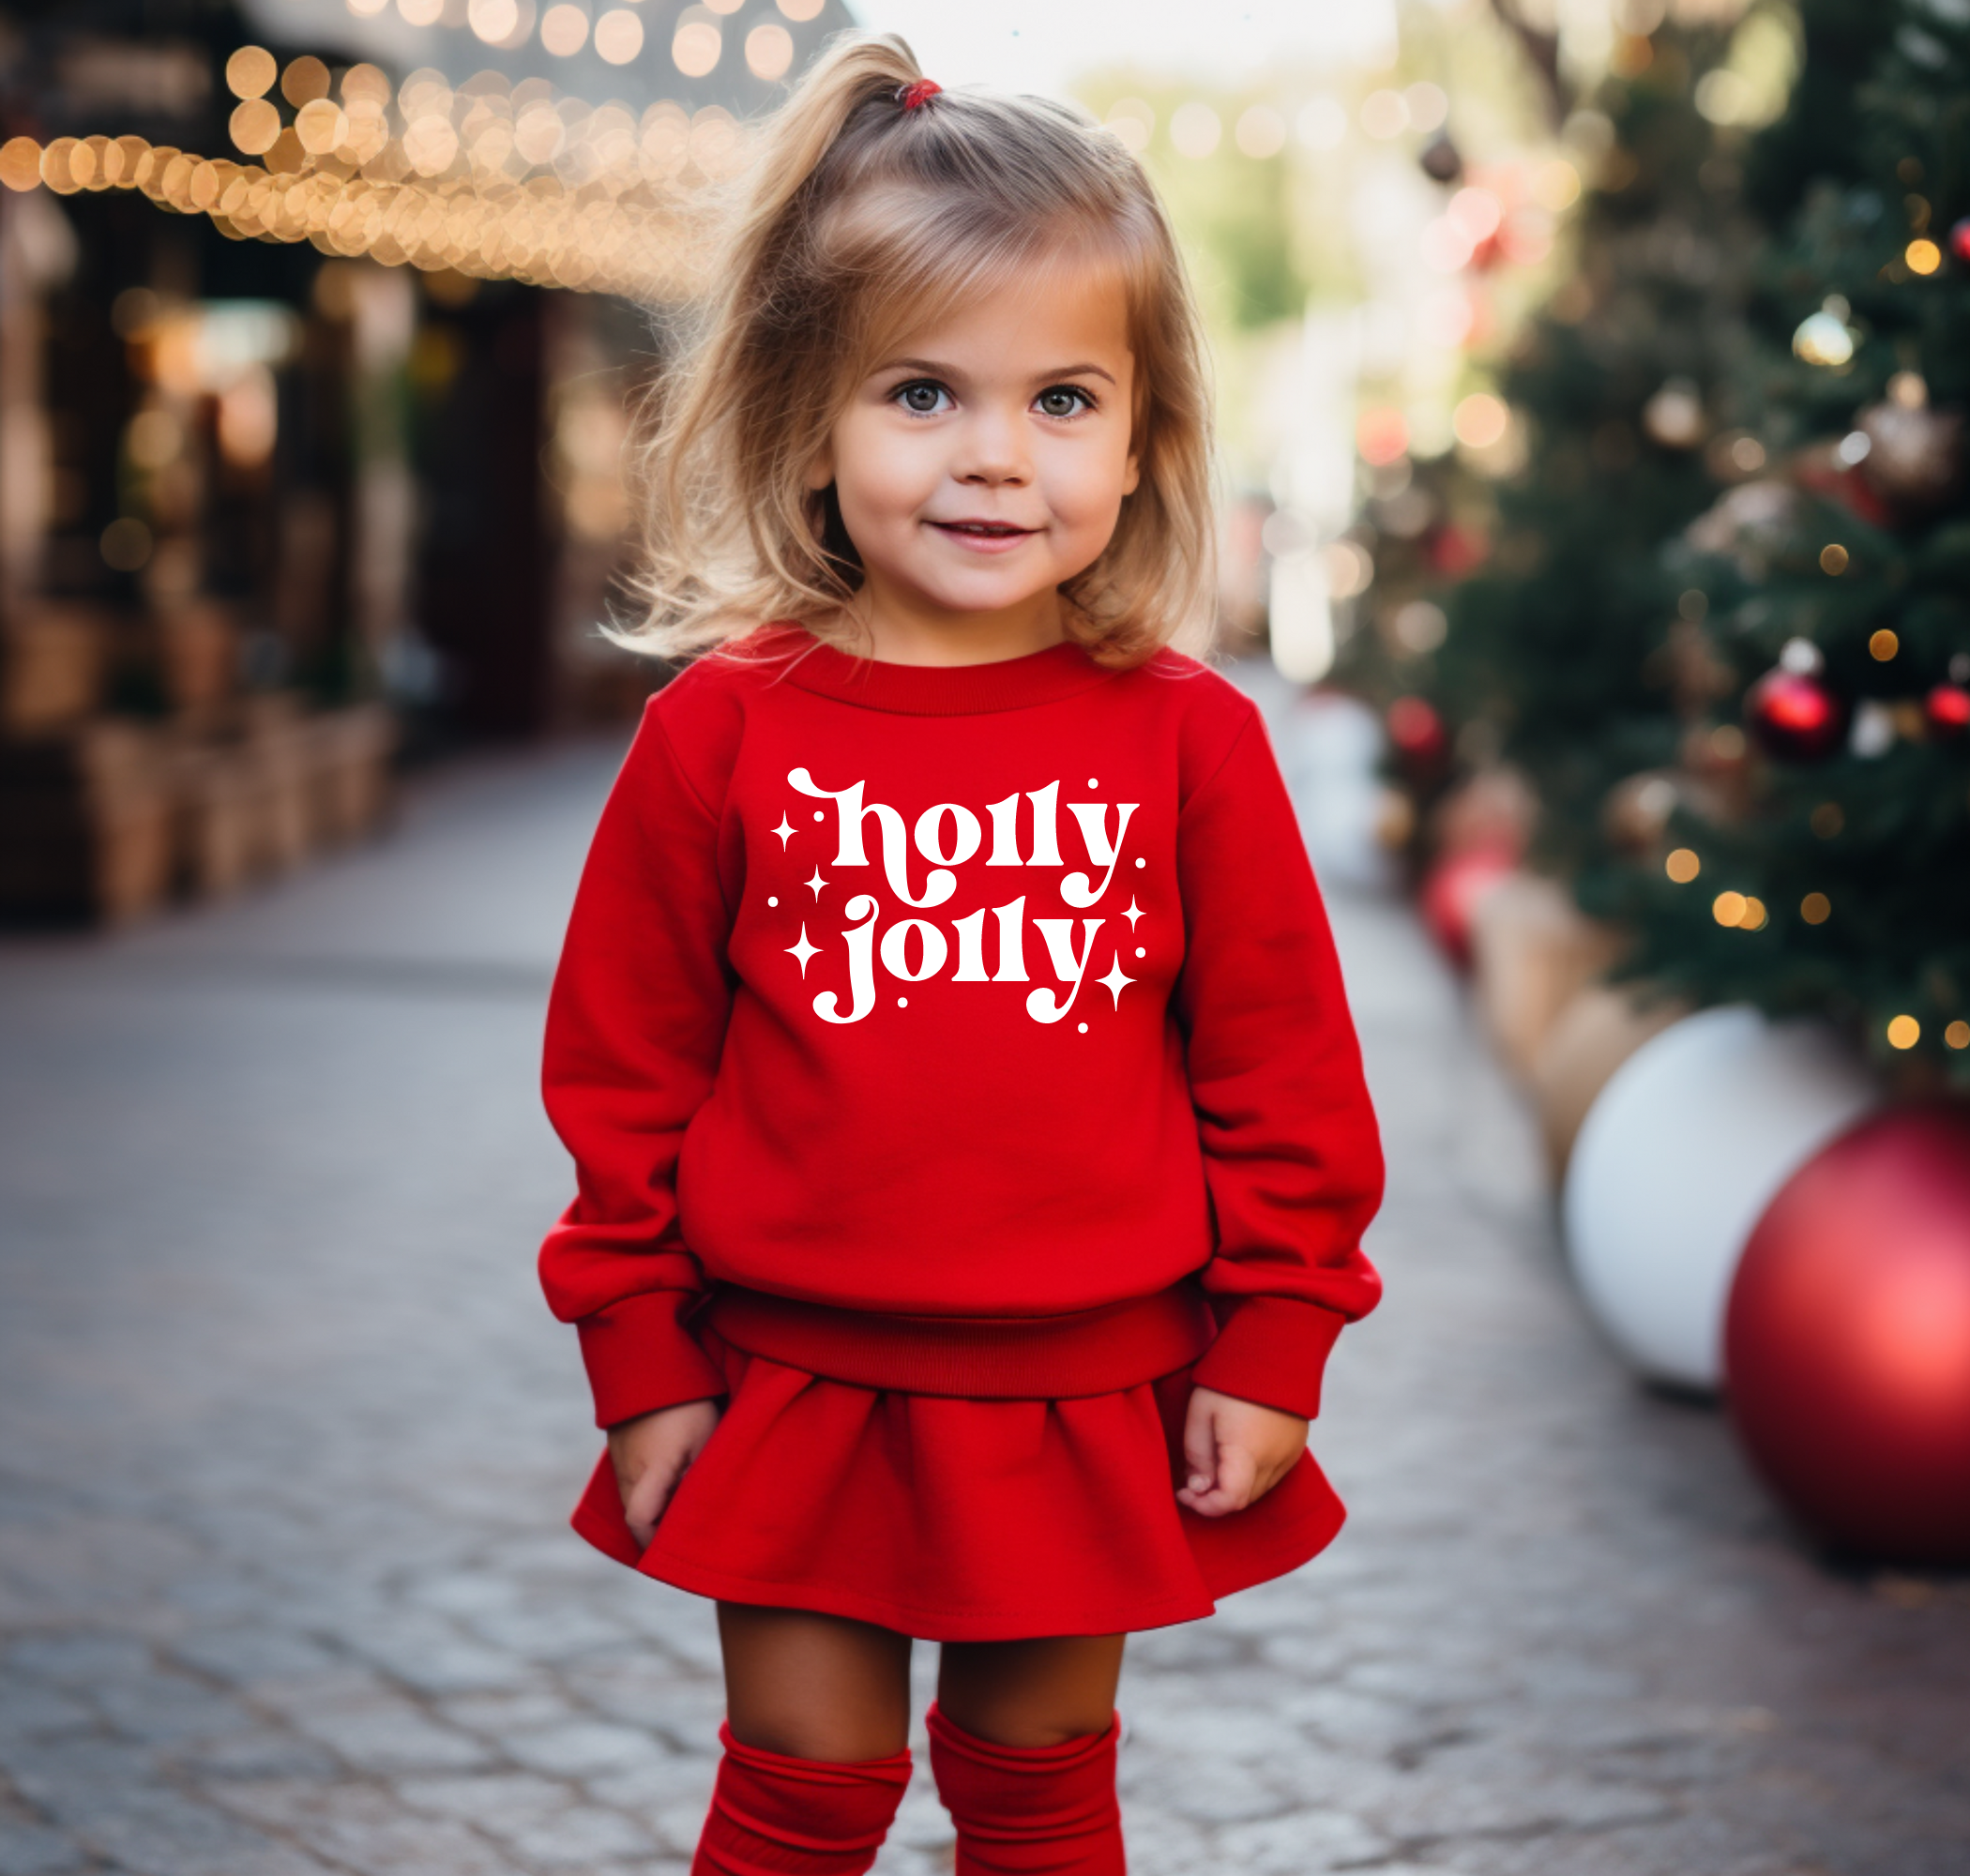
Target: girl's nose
[(991, 452)]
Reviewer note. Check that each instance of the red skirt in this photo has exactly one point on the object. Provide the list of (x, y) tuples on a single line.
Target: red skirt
[(957, 1520)]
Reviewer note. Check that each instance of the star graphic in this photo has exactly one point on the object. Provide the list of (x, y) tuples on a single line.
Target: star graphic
[(1134, 913), (803, 951), (784, 828), (817, 882), (1114, 981)]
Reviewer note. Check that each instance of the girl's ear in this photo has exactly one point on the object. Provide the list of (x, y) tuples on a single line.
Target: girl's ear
[(1133, 473), (820, 471)]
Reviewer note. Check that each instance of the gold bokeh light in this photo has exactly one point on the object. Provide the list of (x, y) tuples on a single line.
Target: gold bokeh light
[(485, 179)]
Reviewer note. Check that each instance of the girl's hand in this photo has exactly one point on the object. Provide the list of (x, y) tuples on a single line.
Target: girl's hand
[(1237, 1451), (650, 1455)]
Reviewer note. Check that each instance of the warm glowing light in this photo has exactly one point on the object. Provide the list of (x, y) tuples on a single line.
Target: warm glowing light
[(1195, 130), (769, 52), (1755, 917), (538, 132), (1923, 256), (254, 125), (251, 71), (365, 84), (1727, 743), (495, 22), (724, 6), (564, 30), (1883, 645), (1816, 908), (20, 162), (1834, 558), (1823, 338), (1350, 569), (1383, 115), (1958, 1034), (305, 80), (430, 143), (1480, 420), (1728, 908), (421, 12), (1261, 132), (1903, 1032), (367, 10), (321, 126), (799, 10), (1682, 866), (694, 49)]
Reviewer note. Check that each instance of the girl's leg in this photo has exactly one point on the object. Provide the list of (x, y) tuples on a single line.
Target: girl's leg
[(816, 1753), (1023, 1745)]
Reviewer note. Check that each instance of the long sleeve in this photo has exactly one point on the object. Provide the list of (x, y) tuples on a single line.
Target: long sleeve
[(634, 1031), (1293, 1159)]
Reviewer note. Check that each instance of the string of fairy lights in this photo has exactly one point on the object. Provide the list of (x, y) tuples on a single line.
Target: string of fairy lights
[(489, 178)]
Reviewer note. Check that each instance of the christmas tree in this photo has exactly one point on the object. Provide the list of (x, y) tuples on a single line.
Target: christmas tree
[(1567, 654), (1809, 849)]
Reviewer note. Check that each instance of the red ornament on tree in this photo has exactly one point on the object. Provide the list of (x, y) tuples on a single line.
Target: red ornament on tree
[(1948, 709), (1795, 716), (1960, 239), (1452, 890), (1417, 733), (1847, 1338)]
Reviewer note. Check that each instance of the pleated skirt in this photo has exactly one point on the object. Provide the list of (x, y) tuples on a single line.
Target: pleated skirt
[(957, 1520)]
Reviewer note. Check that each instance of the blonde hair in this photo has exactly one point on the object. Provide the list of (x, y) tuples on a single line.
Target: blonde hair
[(862, 221)]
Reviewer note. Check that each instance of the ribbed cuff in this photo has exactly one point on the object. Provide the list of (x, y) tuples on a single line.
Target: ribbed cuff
[(640, 1358), (1272, 1351)]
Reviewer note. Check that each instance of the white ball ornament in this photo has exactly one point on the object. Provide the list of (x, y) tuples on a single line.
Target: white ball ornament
[(1675, 1162)]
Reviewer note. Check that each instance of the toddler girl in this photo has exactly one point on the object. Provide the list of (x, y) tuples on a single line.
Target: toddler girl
[(971, 1136)]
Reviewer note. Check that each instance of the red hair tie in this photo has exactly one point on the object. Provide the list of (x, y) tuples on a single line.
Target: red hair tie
[(913, 96)]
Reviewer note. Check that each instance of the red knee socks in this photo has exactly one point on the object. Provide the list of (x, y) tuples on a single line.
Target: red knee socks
[(776, 1816), (1049, 1810)]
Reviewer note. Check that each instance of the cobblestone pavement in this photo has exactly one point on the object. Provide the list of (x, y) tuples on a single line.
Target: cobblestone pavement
[(289, 1441)]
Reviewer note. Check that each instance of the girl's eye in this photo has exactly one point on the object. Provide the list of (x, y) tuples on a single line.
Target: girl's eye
[(1063, 401), (923, 400)]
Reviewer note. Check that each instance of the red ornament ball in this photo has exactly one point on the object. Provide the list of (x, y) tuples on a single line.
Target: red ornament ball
[(1795, 716), (1960, 239), (1452, 890), (1948, 709), (1847, 1338), (1417, 733)]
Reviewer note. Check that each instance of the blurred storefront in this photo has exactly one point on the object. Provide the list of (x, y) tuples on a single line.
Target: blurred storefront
[(275, 500)]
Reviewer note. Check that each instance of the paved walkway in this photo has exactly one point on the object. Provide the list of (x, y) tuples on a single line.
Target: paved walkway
[(284, 1585)]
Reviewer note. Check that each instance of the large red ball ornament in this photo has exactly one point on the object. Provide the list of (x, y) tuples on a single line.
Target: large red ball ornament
[(1795, 716), (1847, 1338), (1452, 890), (1960, 239)]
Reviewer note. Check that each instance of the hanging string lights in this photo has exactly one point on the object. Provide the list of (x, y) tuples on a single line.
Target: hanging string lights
[(490, 178)]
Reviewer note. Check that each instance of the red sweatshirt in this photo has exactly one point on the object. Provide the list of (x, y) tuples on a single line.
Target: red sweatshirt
[(955, 1028)]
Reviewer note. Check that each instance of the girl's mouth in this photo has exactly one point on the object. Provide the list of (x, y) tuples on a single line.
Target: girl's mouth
[(984, 536)]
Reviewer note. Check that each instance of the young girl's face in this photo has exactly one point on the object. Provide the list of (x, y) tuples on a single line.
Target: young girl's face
[(985, 460)]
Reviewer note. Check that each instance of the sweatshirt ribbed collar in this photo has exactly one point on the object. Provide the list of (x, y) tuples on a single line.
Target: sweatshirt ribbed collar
[(926, 689)]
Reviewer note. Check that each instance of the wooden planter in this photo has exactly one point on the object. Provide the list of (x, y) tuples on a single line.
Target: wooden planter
[(88, 824)]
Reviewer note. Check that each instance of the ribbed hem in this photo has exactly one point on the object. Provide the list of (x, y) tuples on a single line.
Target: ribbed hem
[(640, 1358), (1272, 1351), (921, 690), (971, 1358)]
